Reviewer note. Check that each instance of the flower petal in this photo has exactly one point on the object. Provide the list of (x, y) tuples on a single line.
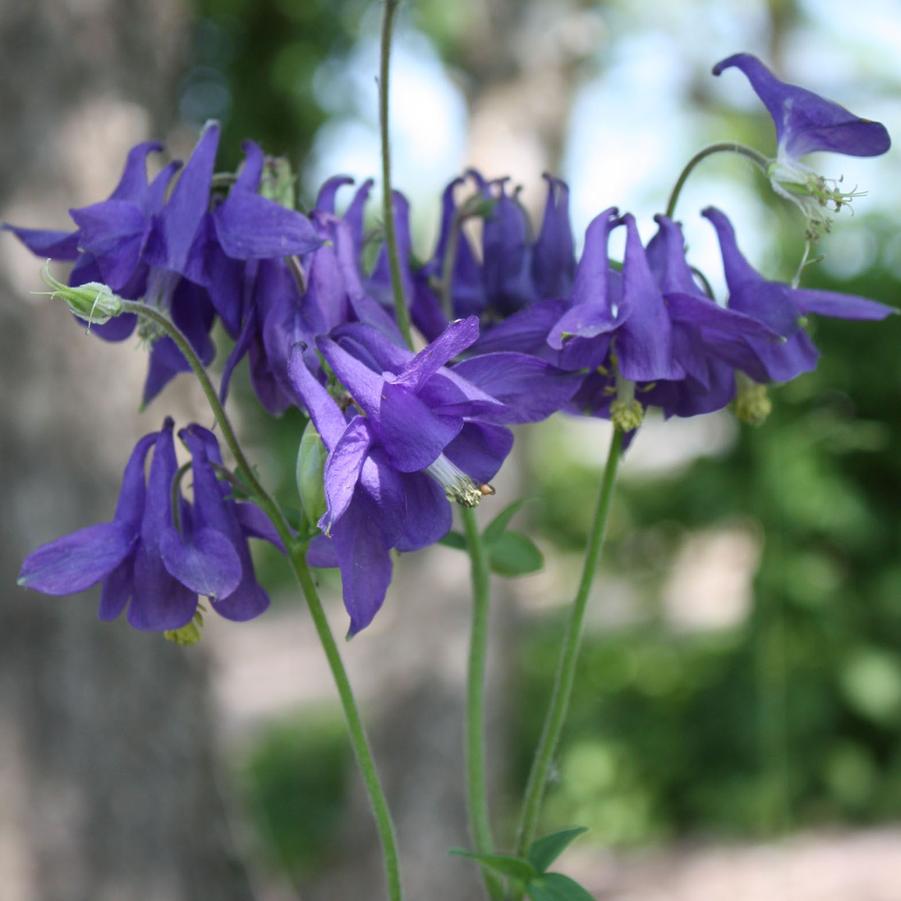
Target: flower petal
[(342, 470), (553, 257), (47, 243), (411, 434), (325, 413), (250, 227), (364, 560), (480, 449), (450, 343), (204, 561), (75, 562), (530, 388), (804, 121)]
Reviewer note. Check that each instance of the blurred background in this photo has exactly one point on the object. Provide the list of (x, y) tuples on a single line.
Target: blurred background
[(736, 726)]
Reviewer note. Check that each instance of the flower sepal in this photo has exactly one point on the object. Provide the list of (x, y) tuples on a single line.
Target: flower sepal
[(93, 301)]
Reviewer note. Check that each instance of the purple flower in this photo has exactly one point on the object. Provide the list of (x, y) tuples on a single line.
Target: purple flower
[(647, 332), (781, 308), (155, 558), (423, 435), (515, 273), (284, 310), (806, 123)]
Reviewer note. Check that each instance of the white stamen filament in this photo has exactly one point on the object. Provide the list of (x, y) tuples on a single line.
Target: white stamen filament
[(457, 485)]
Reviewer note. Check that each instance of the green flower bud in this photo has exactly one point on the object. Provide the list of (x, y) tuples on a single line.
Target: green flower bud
[(752, 402), (311, 457), (626, 414), (187, 635), (93, 301), (278, 182)]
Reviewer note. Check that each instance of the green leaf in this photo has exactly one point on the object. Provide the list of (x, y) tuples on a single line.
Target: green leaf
[(514, 867), (556, 887), (499, 524), (454, 540), (545, 851), (515, 554)]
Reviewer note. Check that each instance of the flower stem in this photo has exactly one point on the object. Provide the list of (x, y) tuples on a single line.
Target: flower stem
[(566, 662), (476, 783), (725, 147), (358, 738), (401, 312), (297, 556)]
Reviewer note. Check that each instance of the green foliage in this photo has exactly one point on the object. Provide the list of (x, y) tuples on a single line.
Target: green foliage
[(791, 717), (509, 553), (529, 875), (294, 782), (544, 851)]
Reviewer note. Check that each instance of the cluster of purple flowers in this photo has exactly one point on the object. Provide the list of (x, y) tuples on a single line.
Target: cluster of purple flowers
[(517, 329)]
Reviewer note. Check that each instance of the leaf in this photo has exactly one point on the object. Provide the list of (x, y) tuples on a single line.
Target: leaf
[(514, 867), (544, 851), (499, 524), (556, 887), (454, 540), (515, 554)]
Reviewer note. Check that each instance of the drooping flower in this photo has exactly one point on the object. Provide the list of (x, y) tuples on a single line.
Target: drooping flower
[(781, 308), (516, 271), (806, 123), (421, 434), (153, 558)]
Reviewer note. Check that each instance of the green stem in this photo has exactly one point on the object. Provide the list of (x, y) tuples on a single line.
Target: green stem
[(566, 662), (476, 782), (725, 147), (445, 286), (297, 556), (358, 738), (401, 312)]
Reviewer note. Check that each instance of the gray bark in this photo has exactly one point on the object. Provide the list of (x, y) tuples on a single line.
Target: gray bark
[(107, 767)]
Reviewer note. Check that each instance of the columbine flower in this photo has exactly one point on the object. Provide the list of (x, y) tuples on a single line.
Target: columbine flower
[(515, 273), (781, 308), (158, 561), (663, 342), (805, 123), (418, 435)]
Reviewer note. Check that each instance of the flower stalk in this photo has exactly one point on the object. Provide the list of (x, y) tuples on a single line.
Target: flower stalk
[(476, 781), (569, 655), (724, 147), (402, 314)]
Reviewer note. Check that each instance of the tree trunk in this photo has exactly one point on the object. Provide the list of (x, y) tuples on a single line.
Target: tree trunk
[(107, 766)]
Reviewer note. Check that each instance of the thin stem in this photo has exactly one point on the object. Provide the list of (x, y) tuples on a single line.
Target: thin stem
[(566, 662), (476, 782), (297, 556), (400, 304), (445, 286), (725, 147), (358, 738)]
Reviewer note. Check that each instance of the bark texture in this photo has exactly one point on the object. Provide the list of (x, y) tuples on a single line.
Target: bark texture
[(107, 766)]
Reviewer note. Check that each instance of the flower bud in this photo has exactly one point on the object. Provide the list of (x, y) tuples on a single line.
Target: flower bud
[(94, 302), (752, 403), (311, 456), (626, 414), (189, 634), (278, 182)]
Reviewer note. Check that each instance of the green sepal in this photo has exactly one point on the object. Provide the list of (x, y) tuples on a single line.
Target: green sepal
[(504, 864), (544, 851), (556, 887), (456, 540), (311, 456), (499, 524), (514, 554)]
